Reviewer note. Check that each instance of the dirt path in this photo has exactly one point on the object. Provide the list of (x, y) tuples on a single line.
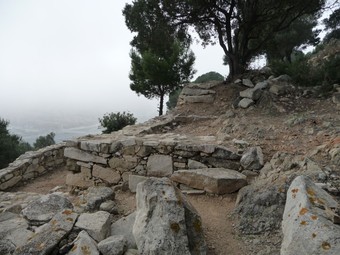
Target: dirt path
[(214, 211)]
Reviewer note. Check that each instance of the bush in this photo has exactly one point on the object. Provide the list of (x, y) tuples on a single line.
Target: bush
[(116, 121), (210, 76), (44, 141), (11, 146), (173, 98)]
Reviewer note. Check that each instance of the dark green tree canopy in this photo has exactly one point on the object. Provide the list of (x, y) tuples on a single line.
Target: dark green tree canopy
[(241, 28), (332, 24), (11, 146), (116, 121), (160, 59)]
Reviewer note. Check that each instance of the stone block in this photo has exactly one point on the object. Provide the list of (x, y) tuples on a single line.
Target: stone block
[(77, 154), (97, 225), (213, 180), (107, 174), (159, 166), (134, 180)]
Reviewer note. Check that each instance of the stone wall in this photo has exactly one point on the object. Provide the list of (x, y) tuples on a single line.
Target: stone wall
[(113, 159), (32, 164)]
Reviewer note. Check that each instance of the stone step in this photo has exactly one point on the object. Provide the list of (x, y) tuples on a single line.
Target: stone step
[(213, 180)]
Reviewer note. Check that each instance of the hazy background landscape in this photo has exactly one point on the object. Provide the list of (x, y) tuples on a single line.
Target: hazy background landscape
[(64, 64)]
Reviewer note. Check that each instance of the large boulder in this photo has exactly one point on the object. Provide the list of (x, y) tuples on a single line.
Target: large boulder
[(260, 208), (165, 221), (308, 217), (43, 209), (213, 180), (49, 235)]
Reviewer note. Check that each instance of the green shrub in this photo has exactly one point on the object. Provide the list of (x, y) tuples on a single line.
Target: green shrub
[(173, 98), (44, 141), (116, 121)]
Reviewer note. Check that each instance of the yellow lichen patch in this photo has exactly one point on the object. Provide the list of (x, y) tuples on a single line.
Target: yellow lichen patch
[(198, 225), (175, 227), (314, 217), (303, 211), (67, 212), (294, 191), (86, 250), (303, 223), (310, 192), (69, 219), (326, 245), (53, 222), (313, 235)]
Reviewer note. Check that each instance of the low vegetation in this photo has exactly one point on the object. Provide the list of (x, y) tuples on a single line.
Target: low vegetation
[(116, 121)]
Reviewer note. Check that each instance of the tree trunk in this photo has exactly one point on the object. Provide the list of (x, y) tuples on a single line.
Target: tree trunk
[(161, 102), (235, 67)]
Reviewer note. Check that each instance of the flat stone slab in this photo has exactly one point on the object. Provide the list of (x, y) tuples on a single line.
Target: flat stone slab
[(43, 209), (47, 238), (77, 154), (213, 180), (307, 224)]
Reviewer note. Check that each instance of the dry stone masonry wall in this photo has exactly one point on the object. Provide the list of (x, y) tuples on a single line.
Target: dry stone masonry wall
[(32, 164), (125, 159)]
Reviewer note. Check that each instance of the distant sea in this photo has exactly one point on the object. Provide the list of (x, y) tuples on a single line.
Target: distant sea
[(61, 134)]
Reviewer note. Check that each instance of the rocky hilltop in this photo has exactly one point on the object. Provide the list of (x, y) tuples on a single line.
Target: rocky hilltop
[(259, 154)]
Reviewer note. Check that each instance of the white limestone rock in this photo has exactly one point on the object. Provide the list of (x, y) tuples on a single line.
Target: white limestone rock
[(113, 245), (245, 103), (97, 225), (159, 166), (165, 221), (50, 234), (43, 209), (84, 245), (213, 180), (124, 227), (307, 223)]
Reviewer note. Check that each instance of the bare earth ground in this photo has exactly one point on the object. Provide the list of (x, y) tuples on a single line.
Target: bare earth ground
[(293, 124)]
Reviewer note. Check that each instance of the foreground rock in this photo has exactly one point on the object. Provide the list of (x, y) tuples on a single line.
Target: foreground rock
[(97, 225), (43, 209), (165, 222), (84, 244), (47, 238), (213, 180), (307, 224)]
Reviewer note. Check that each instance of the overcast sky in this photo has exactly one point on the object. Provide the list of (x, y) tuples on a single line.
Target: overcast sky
[(72, 56)]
